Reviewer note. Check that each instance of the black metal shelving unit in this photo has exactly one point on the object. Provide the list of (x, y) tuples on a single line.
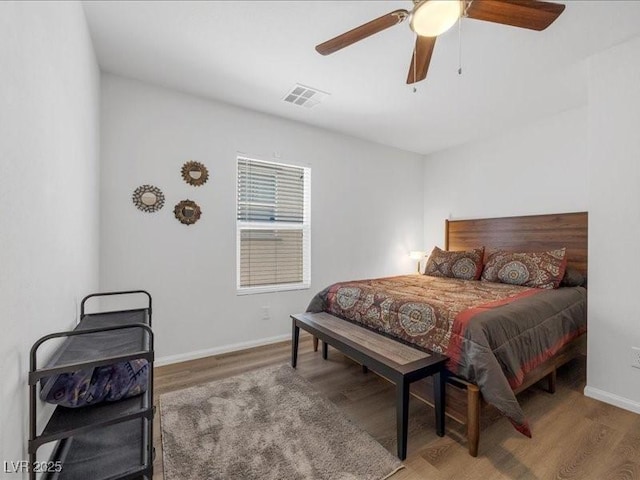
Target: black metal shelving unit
[(107, 441)]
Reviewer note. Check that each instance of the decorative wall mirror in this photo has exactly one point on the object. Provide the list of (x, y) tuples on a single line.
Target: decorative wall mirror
[(187, 212), (148, 198), (195, 173)]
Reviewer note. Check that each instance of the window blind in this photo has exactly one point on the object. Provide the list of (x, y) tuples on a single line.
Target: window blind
[(273, 226)]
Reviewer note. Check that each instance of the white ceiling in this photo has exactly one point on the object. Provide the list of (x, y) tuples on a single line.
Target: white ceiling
[(251, 53)]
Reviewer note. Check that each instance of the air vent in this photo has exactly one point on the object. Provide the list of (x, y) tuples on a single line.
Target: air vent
[(304, 96)]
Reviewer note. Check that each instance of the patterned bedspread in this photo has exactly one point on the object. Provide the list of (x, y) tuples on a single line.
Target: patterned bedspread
[(494, 333)]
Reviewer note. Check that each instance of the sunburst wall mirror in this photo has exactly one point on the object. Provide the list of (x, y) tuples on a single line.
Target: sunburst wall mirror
[(195, 173), (148, 198), (187, 212)]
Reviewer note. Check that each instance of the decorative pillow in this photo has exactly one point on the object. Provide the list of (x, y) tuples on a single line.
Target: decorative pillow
[(529, 269), (464, 265), (573, 278), (109, 383)]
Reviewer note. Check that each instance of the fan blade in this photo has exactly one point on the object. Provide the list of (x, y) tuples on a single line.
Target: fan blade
[(531, 14), (362, 32), (421, 59)]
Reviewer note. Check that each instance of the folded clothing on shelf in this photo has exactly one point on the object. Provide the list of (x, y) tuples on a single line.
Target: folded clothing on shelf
[(90, 386)]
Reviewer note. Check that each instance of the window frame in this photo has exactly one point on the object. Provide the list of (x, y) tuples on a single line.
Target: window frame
[(305, 227)]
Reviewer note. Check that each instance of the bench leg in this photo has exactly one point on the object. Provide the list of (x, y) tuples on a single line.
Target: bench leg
[(473, 419), (439, 402), (551, 382), (325, 350), (402, 416), (295, 340), (315, 344)]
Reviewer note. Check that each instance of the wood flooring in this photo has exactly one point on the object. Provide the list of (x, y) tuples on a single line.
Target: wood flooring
[(574, 437)]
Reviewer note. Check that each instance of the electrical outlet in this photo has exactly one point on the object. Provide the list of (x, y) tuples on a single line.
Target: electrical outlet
[(635, 358), (265, 313)]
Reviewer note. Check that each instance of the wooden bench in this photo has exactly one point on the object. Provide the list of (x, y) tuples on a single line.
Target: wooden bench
[(393, 360)]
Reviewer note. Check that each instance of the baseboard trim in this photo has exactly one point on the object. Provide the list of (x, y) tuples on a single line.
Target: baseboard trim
[(612, 399), (209, 352)]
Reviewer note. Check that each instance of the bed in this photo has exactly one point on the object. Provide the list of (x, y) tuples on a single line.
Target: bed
[(500, 338)]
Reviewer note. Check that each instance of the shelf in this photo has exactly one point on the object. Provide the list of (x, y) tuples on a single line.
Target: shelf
[(67, 422), (115, 453), (106, 319), (109, 440), (81, 351)]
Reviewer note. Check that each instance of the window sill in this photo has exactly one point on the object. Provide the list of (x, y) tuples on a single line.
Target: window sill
[(272, 288)]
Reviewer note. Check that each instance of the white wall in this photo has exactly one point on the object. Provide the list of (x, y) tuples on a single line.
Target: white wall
[(49, 146), (614, 225), (536, 169), (366, 212), (583, 159)]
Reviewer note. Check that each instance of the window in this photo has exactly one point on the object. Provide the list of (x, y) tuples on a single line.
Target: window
[(273, 226)]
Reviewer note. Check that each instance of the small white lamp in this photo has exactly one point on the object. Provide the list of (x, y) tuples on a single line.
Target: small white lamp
[(417, 255)]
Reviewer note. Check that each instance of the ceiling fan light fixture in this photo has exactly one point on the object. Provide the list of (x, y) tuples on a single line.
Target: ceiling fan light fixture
[(434, 17)]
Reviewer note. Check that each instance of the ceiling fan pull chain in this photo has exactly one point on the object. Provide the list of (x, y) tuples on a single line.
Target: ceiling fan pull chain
[(460, 46), (415, 55)]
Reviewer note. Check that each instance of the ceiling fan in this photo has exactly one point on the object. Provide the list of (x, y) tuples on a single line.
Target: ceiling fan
[(430, 18)]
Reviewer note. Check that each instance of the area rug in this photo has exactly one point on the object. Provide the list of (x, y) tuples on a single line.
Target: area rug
[(268, 424)]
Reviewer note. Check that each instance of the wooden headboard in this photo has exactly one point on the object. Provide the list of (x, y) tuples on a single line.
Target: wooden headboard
[(527, 233)]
